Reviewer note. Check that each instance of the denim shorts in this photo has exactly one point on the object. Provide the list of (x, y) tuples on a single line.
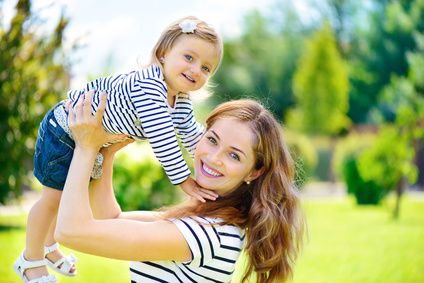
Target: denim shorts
[(53, 152)]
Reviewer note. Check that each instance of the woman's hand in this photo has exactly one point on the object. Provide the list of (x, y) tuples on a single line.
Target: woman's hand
[(87, 129)]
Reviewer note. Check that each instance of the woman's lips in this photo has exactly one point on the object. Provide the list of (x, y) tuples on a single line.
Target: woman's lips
[(209, 171)]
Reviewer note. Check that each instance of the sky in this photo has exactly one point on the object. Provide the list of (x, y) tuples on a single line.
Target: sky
[(126, 32)]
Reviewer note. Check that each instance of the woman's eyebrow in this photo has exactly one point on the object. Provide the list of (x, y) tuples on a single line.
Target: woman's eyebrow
[(233, 147)]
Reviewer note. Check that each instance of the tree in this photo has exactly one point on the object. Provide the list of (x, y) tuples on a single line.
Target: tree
[(379, 50), (390, 161), (262, 61), (320, 87), (33, 70)]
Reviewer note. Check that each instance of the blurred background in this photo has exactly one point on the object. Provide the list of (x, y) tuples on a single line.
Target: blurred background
[(344, 77)]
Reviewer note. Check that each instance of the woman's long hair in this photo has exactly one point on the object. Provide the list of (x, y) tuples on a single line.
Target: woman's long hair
[(269, 208)]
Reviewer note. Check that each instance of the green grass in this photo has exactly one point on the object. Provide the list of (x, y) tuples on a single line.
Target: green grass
[(91, 269), (348, 243)]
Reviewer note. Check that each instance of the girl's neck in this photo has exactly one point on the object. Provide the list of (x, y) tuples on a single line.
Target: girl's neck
[(171, 100)]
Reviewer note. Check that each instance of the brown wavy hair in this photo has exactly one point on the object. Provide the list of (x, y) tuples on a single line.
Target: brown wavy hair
[(269, 209)]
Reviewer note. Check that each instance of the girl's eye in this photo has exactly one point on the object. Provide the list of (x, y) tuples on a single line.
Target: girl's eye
[(212, 140), (206, 69), (188, 57), (235, 156)]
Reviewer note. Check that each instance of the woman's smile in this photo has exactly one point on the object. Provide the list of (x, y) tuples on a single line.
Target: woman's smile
[(209, 171)]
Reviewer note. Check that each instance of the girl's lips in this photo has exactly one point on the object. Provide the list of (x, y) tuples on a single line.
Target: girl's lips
[(189, 78), (209, 171)]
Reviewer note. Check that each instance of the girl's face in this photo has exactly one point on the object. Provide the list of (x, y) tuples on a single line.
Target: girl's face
[(188, 64), (224, 157)]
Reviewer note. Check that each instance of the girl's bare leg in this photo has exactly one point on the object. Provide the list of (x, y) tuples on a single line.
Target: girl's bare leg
[(40, 219), (56, 255)]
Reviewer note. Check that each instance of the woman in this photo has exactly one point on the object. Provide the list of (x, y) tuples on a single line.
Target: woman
[(242, 157)]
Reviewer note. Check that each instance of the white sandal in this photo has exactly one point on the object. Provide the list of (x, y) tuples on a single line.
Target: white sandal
[(65, 262), (21, 264)]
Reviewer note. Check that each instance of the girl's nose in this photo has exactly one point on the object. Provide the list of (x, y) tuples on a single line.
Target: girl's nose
[(195, 70)]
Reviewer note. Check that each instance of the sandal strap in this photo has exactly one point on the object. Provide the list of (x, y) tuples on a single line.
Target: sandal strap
[(66, 263), (51, 248), (21, 264), (51, 278), (26, 264)]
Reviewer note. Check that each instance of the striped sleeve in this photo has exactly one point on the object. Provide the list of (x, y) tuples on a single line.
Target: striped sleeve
[(149, 98), (188, 130)]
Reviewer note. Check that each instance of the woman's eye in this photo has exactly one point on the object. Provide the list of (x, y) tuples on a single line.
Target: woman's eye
[(235, 156), (212, 140), (206, 69), (188, 57)]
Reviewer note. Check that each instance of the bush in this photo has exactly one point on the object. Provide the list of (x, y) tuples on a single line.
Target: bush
[(365, 192), (140, 183), (345, 166), (304, 155)]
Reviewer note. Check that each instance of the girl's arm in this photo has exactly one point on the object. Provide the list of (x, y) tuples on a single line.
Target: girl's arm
[(114, 238)]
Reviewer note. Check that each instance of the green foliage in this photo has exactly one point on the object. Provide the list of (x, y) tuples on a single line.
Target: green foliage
[(33, 70), (261, 62), (320, 87), (388, 159), (349, 148), (380, 50), (139, 181), (345, 161), (365, 192), (304, 154)]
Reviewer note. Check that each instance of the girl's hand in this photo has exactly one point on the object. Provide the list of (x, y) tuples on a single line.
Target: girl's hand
[(114, 148), (193, 189), (87, 129)]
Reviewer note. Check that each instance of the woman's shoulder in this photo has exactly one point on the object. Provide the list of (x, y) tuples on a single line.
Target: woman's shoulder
[(212, 225)]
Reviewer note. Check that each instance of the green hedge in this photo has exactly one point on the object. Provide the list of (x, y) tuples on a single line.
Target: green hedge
[(139, 181), (345, 166)]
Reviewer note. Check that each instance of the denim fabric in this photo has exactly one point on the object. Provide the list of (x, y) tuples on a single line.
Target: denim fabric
[(53, 152)]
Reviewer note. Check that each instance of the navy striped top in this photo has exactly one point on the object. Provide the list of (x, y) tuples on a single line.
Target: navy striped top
[(214, 249), (137, 105)]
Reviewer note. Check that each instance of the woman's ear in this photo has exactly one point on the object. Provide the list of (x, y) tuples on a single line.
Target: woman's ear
[(256, 173)]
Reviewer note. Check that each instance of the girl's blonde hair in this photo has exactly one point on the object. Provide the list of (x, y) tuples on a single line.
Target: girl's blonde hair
[(173, 31), (269, 209)]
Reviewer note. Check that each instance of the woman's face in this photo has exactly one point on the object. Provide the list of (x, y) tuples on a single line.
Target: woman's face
[(224, 156)]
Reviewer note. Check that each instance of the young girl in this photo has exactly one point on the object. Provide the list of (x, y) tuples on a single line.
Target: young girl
[(152, 103)]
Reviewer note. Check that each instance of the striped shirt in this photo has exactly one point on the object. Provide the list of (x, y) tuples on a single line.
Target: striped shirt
[(137, 106), (214, 250)]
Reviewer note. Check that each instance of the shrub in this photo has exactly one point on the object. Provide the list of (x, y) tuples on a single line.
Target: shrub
[(345, 166), (140, 183), (365, 192), (304, 155)]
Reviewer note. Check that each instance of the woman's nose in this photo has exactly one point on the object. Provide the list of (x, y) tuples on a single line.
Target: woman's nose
[(215, 157)]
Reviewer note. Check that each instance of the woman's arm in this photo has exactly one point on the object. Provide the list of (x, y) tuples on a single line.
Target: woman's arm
[(102, 197), (114, 238)]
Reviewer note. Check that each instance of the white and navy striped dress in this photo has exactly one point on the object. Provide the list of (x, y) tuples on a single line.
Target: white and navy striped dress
[(137, 105), (214, 249)]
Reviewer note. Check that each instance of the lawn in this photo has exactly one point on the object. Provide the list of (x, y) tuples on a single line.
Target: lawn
[(347, 244)]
